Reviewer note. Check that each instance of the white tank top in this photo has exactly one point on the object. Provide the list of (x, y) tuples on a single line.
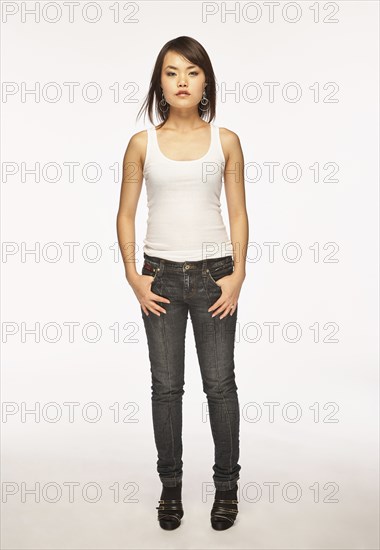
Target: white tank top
[(184, 210)]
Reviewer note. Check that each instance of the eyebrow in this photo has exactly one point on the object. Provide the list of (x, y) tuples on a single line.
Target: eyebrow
[(176, 68)]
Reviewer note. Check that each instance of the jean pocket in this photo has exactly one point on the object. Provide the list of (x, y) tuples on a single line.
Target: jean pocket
[(150, 268), (216, 273)]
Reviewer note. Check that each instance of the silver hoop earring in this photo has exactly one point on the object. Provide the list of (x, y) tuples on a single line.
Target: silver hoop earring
[(204, 101), (163, 103)]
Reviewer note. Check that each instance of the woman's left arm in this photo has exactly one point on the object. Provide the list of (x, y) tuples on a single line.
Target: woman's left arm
[(235, 195), (237, 213)]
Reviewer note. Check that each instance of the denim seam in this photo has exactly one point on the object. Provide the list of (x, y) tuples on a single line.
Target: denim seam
[(218, 374), (221, 392), (170, 390)]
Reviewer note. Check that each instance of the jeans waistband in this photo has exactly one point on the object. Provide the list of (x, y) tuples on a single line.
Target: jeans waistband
[(198, 265)]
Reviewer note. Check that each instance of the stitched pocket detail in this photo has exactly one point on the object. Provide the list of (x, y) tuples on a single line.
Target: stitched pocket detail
[(220, 272), (150, 268)]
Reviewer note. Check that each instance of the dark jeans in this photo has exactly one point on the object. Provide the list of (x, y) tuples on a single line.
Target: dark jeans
[(191, 286)]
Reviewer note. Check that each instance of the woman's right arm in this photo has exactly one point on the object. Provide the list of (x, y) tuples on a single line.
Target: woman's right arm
[(129, 196)]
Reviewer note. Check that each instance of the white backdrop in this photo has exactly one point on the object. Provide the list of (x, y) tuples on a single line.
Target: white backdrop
[(300, 88)]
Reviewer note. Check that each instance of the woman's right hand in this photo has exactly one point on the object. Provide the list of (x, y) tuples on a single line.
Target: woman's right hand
[(141, 285)]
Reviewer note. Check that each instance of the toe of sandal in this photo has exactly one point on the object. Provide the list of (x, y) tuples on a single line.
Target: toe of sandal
[(170, 513), (223, 517)]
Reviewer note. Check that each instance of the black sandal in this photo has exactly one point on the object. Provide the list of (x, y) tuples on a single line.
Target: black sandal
[(173, 520), (222, 517)]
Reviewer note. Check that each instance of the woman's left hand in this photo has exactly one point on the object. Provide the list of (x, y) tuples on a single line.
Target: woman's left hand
[(227, 303)]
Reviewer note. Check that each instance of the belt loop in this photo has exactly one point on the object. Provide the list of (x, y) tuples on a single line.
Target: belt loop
[(204, 267)]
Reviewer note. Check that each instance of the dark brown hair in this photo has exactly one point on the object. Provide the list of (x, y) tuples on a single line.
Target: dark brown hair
[(193, 51)]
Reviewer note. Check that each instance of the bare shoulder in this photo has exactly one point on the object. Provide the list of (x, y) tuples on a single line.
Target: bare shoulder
[(138, 141), (137, 145), (230, 142)]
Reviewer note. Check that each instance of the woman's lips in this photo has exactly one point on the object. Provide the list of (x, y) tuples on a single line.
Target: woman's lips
[(183, 94)]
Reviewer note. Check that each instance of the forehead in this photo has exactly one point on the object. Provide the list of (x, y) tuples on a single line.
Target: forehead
[(177, 60)]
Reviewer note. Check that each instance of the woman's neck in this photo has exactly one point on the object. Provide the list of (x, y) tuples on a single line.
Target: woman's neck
[(184, 123)]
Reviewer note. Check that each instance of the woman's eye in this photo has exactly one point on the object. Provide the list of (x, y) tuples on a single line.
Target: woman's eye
[(192, 72)]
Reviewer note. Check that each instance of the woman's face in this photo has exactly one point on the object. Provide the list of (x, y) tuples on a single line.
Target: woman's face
[(179, 74)]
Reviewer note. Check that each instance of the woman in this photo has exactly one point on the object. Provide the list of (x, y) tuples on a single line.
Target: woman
[(190, 264)]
